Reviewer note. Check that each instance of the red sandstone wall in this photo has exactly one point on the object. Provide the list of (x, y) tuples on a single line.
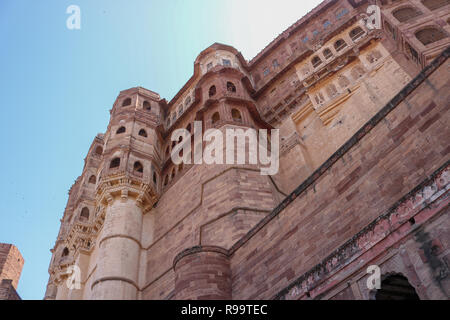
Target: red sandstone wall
[(11, 263), (203, 273), (210, 205), (409, 144)]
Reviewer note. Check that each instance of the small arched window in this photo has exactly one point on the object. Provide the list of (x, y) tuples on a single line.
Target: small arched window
[(212, 91), (327, 53), (430, 35), (215, 117), (126, 102), (84, 213), (65, 252), (231, 87), (92, 179), (121, 130), (405, 14), (316, 61), (99, 150), (143, 133), (155, 179), (319, 98), (115, 163), (187, 101), (147, 106), (166, 180), (172, 176), (356, 33), (138, 167), (167, 152), (339, 45), (236, 115)]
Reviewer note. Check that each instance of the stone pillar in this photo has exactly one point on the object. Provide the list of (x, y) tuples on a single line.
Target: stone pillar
[(50, 293), (116, 277), (202, 273)]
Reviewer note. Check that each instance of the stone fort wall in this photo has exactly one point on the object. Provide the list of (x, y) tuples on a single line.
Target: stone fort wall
[(362, 118)]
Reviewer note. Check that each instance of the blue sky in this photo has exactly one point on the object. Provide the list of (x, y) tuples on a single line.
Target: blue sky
[(58, 85)]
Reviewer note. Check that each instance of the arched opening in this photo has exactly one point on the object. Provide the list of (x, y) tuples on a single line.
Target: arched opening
[(92, 179), (126, 102), (187, 101), (84, 213), (339, 45), (319, 98), (115, 163), (435, 4), (155, 178), (396, 287), (405, 14), (99, 150), (275, 63), (143, 133), (215, 117), (356, 33), (65, 252), (212, 91), (316, 61), (430, 35), (138, 167), (166, 180), (121, 130), (231, 87), (172, 176), (236, 115), (327, 53), (147, 106)]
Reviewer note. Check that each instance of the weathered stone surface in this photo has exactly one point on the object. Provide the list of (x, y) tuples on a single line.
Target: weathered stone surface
[(363, 179)]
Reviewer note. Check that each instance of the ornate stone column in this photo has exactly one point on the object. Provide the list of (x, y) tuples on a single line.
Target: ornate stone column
[(119, 243)]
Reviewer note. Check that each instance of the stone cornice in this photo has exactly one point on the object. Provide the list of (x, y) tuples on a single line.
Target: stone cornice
[(123, 185)]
